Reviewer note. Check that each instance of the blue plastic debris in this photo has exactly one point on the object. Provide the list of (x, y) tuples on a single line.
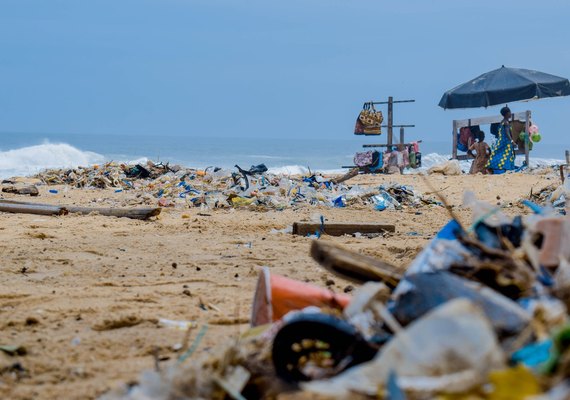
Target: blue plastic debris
[(534, 354)]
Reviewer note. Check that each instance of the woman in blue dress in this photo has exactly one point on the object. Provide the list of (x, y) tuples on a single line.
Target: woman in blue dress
[(502, 157)]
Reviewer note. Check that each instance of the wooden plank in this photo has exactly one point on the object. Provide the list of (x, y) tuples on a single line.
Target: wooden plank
[(394, 101), (460, 123), (354, 266), (340, 228)]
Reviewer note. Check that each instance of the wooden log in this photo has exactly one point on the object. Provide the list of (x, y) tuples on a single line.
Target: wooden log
[(341, 228), (354, 266), (135, 213), (38, 209), (349, 175)]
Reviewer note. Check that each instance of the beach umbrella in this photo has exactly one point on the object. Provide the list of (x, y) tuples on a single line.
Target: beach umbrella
[(505, 85)]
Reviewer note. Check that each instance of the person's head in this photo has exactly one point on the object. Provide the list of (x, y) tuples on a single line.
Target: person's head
[(506, 112), (481, 136)]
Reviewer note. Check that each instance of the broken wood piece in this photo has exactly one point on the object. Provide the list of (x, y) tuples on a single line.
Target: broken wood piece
[(25, 190), (354, 266), (48, 209), (341, 228), (349, 175)]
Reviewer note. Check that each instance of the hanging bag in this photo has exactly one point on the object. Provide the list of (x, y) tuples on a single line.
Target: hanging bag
[(369, 121)]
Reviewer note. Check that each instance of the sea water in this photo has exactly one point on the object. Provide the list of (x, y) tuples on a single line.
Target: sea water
[(27, 154)]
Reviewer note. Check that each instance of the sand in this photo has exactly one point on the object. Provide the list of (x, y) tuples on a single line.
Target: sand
[(83, 294)]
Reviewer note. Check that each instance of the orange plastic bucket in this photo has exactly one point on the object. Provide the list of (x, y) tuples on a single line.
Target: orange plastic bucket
[(276, 295)]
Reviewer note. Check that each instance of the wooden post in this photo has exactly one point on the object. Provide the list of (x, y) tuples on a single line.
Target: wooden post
[(390, 121), (567, 154), (454, 149), (402, 140), (527, 139)]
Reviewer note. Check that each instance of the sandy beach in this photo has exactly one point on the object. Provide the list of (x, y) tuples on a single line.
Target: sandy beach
[(84, 294)]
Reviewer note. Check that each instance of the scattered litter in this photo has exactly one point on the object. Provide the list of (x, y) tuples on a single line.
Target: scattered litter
[(214, 188), (482, 309)]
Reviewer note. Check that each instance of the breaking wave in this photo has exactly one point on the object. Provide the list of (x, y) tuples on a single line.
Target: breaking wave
[(300, 170), (32, 159)]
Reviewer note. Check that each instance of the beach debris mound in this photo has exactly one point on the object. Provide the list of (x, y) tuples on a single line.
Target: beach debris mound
[(255, 188), (482, 313)]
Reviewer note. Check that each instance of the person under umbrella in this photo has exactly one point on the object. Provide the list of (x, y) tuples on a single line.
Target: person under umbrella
[(502, 157)]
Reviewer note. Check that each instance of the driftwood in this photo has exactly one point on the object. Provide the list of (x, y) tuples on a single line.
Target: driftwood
[(339, 229), (48, 209), (135, 213), (27, 208), (349, 175), (354, 266), (30, 189)]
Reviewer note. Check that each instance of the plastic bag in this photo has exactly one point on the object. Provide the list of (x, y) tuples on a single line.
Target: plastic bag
[(451, 349)]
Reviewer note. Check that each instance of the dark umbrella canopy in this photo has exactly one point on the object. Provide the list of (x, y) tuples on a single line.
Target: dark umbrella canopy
[(505, 85)]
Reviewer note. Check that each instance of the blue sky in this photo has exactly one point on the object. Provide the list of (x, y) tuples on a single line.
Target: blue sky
[(265, 68)]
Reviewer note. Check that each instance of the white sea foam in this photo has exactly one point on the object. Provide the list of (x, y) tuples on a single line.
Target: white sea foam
[(300, 170), (32, 159)]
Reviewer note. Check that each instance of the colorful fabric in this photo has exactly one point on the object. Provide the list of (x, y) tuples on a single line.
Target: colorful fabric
[(502, 152), (364, 159)]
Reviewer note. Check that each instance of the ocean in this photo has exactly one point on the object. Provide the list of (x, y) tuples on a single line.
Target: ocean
[(27, 154)]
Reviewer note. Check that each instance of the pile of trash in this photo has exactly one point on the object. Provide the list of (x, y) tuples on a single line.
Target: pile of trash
[(481, 313), (174, 186), (553, 196)]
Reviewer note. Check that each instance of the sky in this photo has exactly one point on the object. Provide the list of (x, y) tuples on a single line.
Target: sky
[(258, 68)]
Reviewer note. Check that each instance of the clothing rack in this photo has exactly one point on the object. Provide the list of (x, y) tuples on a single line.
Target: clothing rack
[(390, 125)]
